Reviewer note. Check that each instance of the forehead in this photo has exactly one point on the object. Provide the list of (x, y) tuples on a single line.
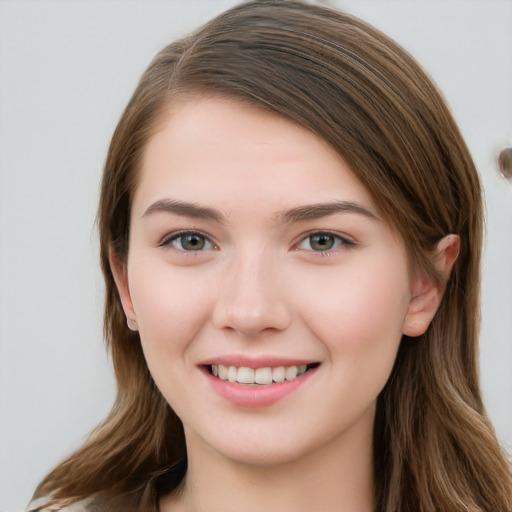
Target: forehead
[(224, 149)]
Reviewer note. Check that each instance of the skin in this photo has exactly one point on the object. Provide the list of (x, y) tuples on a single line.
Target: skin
[(262, 286)]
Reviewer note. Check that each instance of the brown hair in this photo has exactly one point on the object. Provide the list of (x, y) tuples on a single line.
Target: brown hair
[(434, 448)]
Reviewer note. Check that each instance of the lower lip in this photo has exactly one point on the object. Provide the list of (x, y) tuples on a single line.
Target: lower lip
[(256, 395)]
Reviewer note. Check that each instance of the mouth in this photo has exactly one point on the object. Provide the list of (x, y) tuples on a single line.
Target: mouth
[(264, 376)]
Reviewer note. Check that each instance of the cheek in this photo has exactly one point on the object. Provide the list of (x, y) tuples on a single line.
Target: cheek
[(359, 314), (171, 306)]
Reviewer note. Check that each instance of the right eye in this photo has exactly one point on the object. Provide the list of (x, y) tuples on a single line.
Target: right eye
[(187, 241)]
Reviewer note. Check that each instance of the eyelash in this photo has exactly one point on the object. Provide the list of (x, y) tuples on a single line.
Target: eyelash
[(168, 241), (339, 241)]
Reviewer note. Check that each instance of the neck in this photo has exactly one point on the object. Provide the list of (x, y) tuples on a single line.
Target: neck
[(336, 477)]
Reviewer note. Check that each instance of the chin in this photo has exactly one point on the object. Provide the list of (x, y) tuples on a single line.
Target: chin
[(260, 451)]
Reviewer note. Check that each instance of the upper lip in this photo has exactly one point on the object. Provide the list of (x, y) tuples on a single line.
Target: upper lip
[(240, 360)]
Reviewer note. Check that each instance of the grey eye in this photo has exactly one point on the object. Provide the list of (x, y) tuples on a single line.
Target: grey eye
[(192, 242), (322, 242), (188, 242)]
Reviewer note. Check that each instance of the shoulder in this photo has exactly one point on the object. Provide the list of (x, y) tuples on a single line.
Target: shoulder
[(40, 505), (91, 504)]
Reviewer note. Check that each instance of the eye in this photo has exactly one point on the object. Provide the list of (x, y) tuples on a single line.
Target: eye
[(188, 241), (322, 242)]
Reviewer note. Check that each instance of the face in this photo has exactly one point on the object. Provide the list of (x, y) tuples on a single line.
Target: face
[(269, 295)]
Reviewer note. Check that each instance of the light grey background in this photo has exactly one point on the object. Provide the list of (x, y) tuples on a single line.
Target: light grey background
[(67, 68)]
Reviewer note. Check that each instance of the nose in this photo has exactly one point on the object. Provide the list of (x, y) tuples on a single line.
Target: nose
[(252, 300)]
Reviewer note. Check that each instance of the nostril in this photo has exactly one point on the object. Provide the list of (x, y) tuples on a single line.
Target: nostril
[(251, 322)]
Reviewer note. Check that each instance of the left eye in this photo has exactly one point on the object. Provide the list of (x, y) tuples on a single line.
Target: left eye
[(322, 242), (188, 242)]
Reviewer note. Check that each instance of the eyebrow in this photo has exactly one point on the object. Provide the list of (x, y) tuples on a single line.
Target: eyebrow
[(317, 211), (185, 209), (291, 216)]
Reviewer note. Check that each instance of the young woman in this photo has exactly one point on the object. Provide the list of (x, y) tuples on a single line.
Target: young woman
[(291, 227)]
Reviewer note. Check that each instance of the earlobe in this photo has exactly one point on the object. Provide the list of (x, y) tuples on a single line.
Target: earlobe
[(119, 272), (427, 291)]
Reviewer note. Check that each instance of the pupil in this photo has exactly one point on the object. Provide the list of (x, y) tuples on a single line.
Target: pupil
[(192, 242), (322, 242)]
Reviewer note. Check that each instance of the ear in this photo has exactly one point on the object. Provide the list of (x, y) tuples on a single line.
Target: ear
[(120, 274), (427, 291)]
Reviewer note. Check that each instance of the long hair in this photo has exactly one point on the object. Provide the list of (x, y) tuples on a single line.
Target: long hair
[(434, 447)]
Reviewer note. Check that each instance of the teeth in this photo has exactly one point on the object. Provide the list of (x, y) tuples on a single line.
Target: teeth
[(221, 370), (278, 374), (263, 376), (291, 372), (232, 374), (244, 375)]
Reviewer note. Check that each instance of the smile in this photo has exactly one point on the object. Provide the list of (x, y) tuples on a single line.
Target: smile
[(247, 382), (260, 376)]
